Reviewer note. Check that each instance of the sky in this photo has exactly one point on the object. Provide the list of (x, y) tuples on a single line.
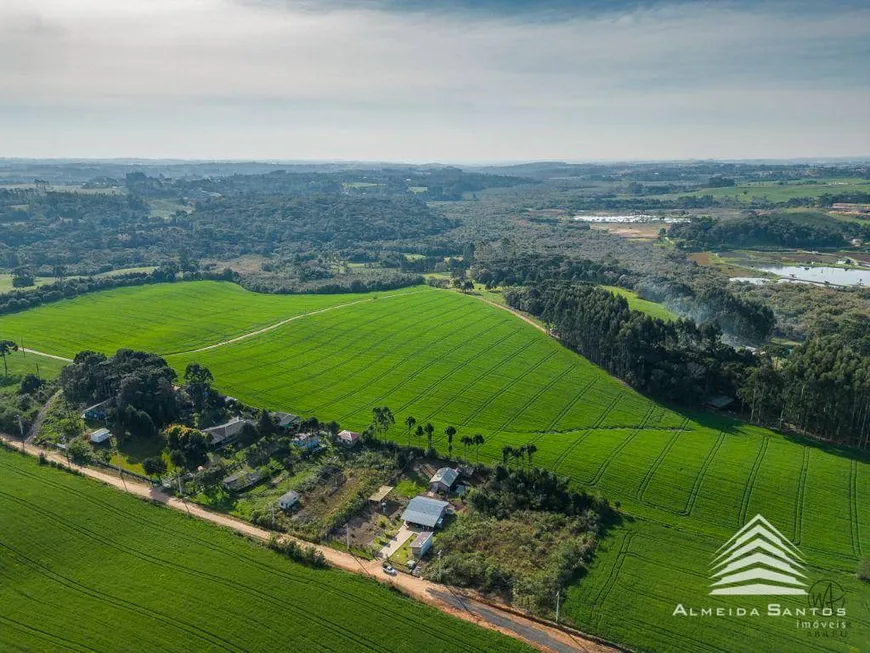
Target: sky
[(455, 81)]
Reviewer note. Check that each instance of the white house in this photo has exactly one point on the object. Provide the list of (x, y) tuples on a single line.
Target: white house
[(421, 544), (100, 435)]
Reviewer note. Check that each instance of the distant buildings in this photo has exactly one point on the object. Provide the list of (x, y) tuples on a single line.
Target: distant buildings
[(425, 512), (443, 480), (307, 441)]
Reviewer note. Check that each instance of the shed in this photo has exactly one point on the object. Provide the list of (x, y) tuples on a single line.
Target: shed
[(288, 500), (100, 435), (421, 544), (443, 480), (242, 480), (285, 420), (95, 412), (425, 512), (381, 494)]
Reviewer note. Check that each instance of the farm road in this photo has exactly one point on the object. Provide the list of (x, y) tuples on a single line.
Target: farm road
[(534, 633)]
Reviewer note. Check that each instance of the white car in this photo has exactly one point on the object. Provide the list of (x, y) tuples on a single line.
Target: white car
[(388, 569)]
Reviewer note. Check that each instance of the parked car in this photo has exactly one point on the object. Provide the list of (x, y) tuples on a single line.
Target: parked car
[(388, 569)]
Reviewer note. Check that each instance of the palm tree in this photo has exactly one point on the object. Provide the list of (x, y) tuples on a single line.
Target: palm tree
[(466, 441), (429, 431), (419, 432), (478, 440), (519, 452), (382, 420), (450, 432), (506, 452), (410, 422), (530, 451), (7, 347)]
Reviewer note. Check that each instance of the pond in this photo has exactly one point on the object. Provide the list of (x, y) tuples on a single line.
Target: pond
[(817, 274)]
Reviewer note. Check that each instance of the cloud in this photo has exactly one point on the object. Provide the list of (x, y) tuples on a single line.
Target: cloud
[(364, 80)]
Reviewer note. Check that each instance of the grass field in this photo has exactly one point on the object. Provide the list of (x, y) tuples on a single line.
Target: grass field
[(20, 364), (686, 482), (637, 303), (774, 192), (87, 568)]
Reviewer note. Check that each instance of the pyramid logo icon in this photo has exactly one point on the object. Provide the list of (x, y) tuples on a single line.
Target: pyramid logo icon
[(758, 560)]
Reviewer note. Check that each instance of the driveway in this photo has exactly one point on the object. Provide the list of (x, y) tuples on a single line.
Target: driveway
[(396, 543)]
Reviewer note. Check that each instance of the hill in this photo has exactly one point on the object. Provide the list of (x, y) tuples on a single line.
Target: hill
[(686, 481), (86, 568)]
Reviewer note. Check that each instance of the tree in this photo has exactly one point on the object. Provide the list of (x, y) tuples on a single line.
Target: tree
[(154, 466), (266, 424), (419, 432), (530, 452), (429, 431), (80, 452), (466, 441), (382, 420), (197, 381), (519, 454), (22, 277), (478, 440), (188, 448), (450, 432), (59, 272), (410, 422), (7, 347), (506, 452)]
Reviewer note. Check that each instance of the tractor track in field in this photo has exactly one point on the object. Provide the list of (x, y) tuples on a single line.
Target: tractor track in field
[(853, 507), (355, 356), (650, 472), (699, 478), (506, 387), (750, 482), (535, 632), (56, 640), (570, 405), (404, 360), (799, 503), (533, 399), (612, 577), (562, 456), (622, 445)]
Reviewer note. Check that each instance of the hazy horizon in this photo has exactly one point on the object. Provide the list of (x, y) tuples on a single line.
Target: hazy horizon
[(475, 83)]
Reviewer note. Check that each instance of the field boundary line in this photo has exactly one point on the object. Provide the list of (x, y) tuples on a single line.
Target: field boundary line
[(602, 468), (561, 458), (603, 416), (853, 506), (650, 472), (251, 334), (549, 428), (36, 352)]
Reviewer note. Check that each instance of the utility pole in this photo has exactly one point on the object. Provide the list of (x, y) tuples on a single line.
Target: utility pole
[(21, 428), (272, 506), (558, 596), (66, 450), (347, 533), (120, 473), (23, 350)]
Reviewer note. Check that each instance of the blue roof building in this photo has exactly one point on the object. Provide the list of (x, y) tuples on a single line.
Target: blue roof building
[(426, 512)]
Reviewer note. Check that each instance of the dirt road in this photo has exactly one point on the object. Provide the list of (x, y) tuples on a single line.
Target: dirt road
[(534, 633)]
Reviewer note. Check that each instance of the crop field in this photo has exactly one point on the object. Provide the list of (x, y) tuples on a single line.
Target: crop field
[(20, 364), (87, 568), (774, 192), (685, 481), (637, 303)]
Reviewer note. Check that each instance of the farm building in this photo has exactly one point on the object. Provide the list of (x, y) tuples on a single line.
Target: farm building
[(224, 433), (96, 412), (285, 420), (242, 480), (99, 436), (443, 480), (421, 544), (307, 441), (288, 500), (349, 438), (378, 497), (425, 512)]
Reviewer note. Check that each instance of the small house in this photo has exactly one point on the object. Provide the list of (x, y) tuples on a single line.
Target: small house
[(226, 432), (348, 438), (378, 497), (307, 441), (285, 420), (425, 512), (288, 500), (97, 412), (421, 544), (443, 480), (99, 436)]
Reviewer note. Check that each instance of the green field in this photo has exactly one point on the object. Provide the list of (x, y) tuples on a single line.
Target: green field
[(774, 192), (637, 303), (20, 364), (87, 568), (686, 482)]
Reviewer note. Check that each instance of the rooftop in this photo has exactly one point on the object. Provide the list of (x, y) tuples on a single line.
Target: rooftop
[(381, 494), (425, 511), (445, 475)]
